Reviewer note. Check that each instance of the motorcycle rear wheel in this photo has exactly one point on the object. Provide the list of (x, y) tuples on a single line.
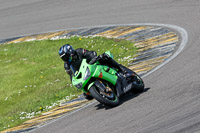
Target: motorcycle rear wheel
[(138, 84), (111, 101)]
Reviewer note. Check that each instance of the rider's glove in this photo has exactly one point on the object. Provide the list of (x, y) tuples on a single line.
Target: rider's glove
[(105, 56)]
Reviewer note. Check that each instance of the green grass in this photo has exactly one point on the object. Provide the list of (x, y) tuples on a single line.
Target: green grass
[(32, 77)]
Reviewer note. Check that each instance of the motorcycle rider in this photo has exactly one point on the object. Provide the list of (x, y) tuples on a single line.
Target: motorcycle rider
[(69, 56)]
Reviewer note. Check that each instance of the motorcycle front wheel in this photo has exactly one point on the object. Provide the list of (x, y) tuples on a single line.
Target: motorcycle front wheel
[(108, 98)]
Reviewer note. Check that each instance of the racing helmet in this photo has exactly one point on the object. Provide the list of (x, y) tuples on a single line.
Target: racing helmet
[(66, 53)]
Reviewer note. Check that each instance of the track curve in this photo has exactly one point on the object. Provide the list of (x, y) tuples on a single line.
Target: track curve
[(172, 103)]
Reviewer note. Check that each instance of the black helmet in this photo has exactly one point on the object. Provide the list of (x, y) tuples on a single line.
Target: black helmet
[(66, 52)]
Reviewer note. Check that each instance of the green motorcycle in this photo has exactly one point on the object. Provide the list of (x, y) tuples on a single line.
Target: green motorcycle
[(103, 83)]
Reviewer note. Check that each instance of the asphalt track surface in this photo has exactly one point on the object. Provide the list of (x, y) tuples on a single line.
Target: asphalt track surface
[(172, 104)]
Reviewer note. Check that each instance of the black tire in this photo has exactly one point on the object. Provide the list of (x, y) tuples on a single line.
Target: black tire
[(99, 97), (88, 97), (138, 84)]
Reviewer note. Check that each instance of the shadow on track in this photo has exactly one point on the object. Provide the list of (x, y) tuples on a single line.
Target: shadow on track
[(123, 99)]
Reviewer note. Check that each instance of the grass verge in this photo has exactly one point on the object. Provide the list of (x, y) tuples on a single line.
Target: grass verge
[(32, 77)]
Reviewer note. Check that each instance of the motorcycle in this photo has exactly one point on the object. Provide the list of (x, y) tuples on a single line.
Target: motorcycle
[(103, 83)]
